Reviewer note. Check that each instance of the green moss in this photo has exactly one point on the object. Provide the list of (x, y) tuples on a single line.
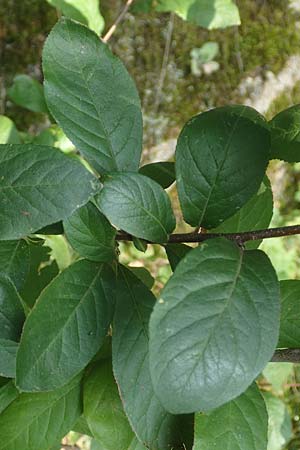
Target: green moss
[(267, 37)]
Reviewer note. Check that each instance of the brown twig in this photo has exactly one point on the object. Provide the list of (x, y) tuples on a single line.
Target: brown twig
[(240, 238), (119, 19), (164, 67), (291, 355)]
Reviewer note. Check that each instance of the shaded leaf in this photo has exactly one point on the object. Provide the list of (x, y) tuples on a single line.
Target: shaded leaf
[(153, 425), (161, 172), (241, 424), (137, 205), (140, 244), (8, 131), (8, 354), (41, 271), (176, 252), (289, 335), (35, 421), (221, 159), (256, 214), (8, 393), (92, 97), (285, 135), (103, 409), (15, 261), (90, 234), (11, 310), (143, 274), (28, 93), (207, 331), (76, 309), (39, 186)]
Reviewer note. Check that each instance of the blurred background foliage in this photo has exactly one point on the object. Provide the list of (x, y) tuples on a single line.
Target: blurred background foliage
[(180, 69)]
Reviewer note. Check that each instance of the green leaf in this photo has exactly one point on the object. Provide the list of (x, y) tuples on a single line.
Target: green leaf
[(8, 131), (90, 234), (241, 424), (280, 424), (39, 186), (92, 97), (103, 409), (86, 12), (278, 374), (137, 205), (209, 14), (221, 158), (54, 137), (140, 244), (256, 214), (15, 261), (143, 274), (53, 229), (289, 335), (207, 331), (38, 421), (81, 426), (8, 354), (8, 393), (153, 425), (11, 310), (76, 310), (161, 172), (41, 271), (285, 135), (176, 252), (28, 93), (142, 6)]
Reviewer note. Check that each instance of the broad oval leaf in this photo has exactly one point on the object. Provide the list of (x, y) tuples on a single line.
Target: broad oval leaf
[(207, 331), (11, 310), (221, 159), (28, 93), (209, 14), (90, 234), (137, 205), (161, 172), (92, 97), (285, 135), (289, 335), (15, 261), (256, 214), (8, 355), (38, 421), (241, 424), (39, 185), (76, 310), (86, 12), (103, 410), (153, 425)]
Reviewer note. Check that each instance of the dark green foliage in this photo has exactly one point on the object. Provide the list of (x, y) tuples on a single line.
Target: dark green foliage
[(142, 366)]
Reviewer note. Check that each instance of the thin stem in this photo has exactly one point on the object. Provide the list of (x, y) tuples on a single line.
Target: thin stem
[(240, 238), (118, 20), (164, 67), (291, 355)]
